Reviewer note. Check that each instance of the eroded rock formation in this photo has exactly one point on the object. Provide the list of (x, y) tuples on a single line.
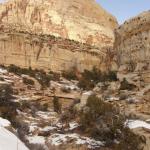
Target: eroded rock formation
[(34, 33), (49, 53), (133, 49), (83, 21)]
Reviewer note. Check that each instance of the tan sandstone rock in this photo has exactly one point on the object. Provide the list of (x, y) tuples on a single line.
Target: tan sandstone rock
[(83, 21), (35, 33), (133, 49)]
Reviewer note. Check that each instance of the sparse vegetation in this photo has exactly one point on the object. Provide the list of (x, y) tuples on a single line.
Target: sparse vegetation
[(54, 76), (129, 141), (70, 113), (28, 81), (56, 104), (8, 110), (45, 107), (131, 65), (98, 119), (94, 109), (1, 79), (104, 122), (90, 78), (86, 84), (6, 92), (40, 75), (22, 129), (70, 74), (34, 106), (36, 147), (126, 86)]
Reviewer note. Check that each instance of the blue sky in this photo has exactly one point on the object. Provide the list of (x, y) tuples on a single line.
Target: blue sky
[(2, 0), (124, 9)]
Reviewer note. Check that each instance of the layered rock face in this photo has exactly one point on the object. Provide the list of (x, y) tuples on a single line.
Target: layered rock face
[(133, 47), (26, 26), (83, 21), (47, 52)]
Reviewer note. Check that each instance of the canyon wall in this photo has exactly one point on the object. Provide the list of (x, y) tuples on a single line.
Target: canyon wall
[(28, 27), (83, 21), (49, 53), (132, 46)]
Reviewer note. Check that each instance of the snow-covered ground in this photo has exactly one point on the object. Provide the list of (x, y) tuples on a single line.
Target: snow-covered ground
[(58, 139), (3, 71), (36, 139), (8, 141), (73, 125), (132, 124), (4, 122), (47, 115)]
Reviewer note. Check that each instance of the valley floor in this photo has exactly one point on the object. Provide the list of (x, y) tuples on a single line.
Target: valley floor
[(33, 123)]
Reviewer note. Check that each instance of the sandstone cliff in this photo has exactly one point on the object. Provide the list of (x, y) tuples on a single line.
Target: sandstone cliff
[(133, 47), (47, 52), (83, 21), (50, 34)]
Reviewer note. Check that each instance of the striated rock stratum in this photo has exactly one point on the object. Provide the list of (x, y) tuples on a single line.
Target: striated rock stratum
[(83, 21), (50, 34), (132, 45)]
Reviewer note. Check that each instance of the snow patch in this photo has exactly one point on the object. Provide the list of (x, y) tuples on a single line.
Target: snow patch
[(58, 139), (132, 124), (113, 99), (4, 122), (71, 87), (3, 71), (88, 93), (8, 141), (48, 128), (73, 125), (59, 125), (33, 127), (36, 140), (46, 115)]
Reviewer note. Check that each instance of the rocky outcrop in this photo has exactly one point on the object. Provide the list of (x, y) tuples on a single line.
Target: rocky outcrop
[(133, 49), (83, 21), (50, 34), (48, 52)]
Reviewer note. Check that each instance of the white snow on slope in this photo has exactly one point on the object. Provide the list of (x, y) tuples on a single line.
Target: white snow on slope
[(4, 122), (3, 71), (132, 124), (58, 139), (37, 140), (8, 141), (73, 125), (48, 128)]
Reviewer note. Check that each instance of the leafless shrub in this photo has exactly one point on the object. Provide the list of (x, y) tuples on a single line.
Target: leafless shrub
[(37, 147)]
